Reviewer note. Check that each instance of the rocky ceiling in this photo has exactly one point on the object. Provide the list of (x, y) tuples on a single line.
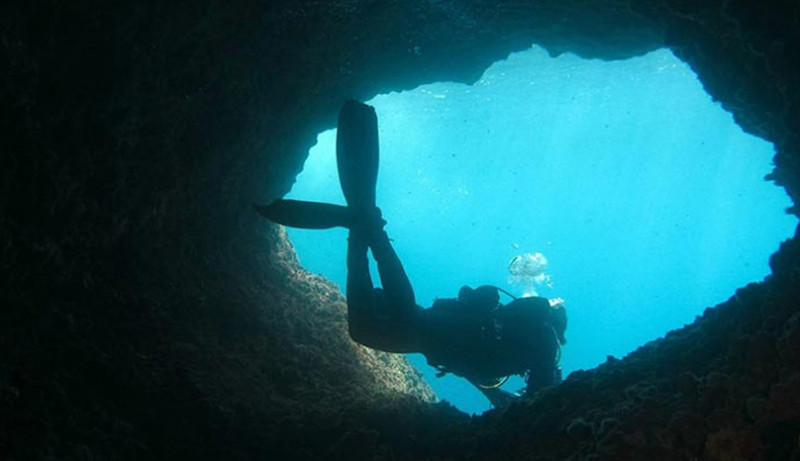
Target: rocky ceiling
[(147, 313)]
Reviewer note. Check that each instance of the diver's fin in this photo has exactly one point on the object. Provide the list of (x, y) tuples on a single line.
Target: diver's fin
[(357, 154), (306, 215)]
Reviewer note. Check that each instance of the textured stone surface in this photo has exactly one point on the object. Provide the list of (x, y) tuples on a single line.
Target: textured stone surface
[(148, 313)]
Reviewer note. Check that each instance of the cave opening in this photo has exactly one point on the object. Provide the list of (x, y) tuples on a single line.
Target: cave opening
[(644, 195)]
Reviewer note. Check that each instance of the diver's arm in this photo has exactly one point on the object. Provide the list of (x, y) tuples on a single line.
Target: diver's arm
[(542, 377), (497, 397), (544, 371)]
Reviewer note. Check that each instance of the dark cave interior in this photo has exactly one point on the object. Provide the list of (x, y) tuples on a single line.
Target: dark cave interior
[(148, 313)]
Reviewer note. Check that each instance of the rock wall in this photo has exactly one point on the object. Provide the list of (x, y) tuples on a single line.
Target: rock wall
[(148, 313)]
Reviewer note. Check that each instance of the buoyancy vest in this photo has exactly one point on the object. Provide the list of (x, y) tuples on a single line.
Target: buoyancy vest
[(476, 337)]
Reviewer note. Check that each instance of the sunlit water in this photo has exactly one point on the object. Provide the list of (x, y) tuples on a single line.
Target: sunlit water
[(644, 195)]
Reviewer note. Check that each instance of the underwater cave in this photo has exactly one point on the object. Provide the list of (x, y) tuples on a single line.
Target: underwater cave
[(149, 313), (645, 197)]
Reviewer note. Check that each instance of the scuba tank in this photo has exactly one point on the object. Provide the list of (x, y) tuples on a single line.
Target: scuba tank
[(476, 337)]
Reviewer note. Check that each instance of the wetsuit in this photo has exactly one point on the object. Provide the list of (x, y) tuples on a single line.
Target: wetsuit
[(472, 336)]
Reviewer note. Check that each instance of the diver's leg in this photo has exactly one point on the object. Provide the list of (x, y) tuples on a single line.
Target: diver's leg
[(378, 318), (394, 279), (359, 284), (386, 318), (396, 286)]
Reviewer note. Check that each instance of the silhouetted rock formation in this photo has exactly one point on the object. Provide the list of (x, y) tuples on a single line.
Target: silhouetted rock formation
[(148, 313)]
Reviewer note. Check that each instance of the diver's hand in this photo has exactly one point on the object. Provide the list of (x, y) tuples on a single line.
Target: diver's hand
[(556, 302), (498, 397)]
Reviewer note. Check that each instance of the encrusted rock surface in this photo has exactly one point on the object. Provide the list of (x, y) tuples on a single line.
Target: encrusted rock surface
[(147, 313)]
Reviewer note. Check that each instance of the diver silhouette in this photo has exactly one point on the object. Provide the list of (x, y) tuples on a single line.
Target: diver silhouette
[(473, 335)]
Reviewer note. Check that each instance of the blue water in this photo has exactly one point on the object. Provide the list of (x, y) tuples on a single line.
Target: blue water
[(644, 195)]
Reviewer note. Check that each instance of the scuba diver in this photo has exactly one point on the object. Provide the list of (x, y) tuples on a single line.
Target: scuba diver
[(473, 335)]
